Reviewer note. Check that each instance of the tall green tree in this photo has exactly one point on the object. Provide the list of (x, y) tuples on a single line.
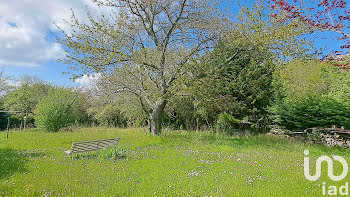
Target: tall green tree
[(236, 77), (235, 80), (142, 47), (26, 97)]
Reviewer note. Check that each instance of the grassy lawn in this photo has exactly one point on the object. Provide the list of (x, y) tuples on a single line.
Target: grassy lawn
[(175, 164)]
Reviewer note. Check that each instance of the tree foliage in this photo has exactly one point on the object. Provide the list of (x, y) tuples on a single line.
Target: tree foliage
[(302, 77), (110, 115), (324, 15), (234, 78), (257, 27), (305, 77), (26, 97), (4, 84), (141, 48), (311, 93)]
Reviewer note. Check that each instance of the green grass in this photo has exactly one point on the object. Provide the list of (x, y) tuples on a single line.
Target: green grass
[(175, 164)]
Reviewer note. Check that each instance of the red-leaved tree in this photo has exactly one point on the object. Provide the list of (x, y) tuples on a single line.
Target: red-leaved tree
[(321, 15)]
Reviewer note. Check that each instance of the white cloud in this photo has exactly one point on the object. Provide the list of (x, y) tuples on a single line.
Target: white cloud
[(25, 24), (87, 80)]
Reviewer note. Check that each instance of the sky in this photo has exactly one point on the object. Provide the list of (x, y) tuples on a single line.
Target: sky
[(28, 37)]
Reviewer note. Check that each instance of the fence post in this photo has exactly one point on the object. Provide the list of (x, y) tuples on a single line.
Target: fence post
[(8, 125)]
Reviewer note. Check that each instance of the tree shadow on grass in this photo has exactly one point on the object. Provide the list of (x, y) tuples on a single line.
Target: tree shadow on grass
[(14, 161)]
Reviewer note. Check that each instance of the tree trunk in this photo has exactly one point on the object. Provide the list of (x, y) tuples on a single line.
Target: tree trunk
[(155, 117)]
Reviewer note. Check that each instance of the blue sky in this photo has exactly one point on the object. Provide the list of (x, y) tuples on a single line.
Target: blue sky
[(28, 34)]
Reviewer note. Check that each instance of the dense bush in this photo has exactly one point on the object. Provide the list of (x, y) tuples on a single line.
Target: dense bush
[(227, 123), (311, 112), (55, 111), (310, 93)]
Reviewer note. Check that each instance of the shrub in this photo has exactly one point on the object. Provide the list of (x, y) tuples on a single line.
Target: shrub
[(227, 123), (54, 111), (311, 112), (113, 153)]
